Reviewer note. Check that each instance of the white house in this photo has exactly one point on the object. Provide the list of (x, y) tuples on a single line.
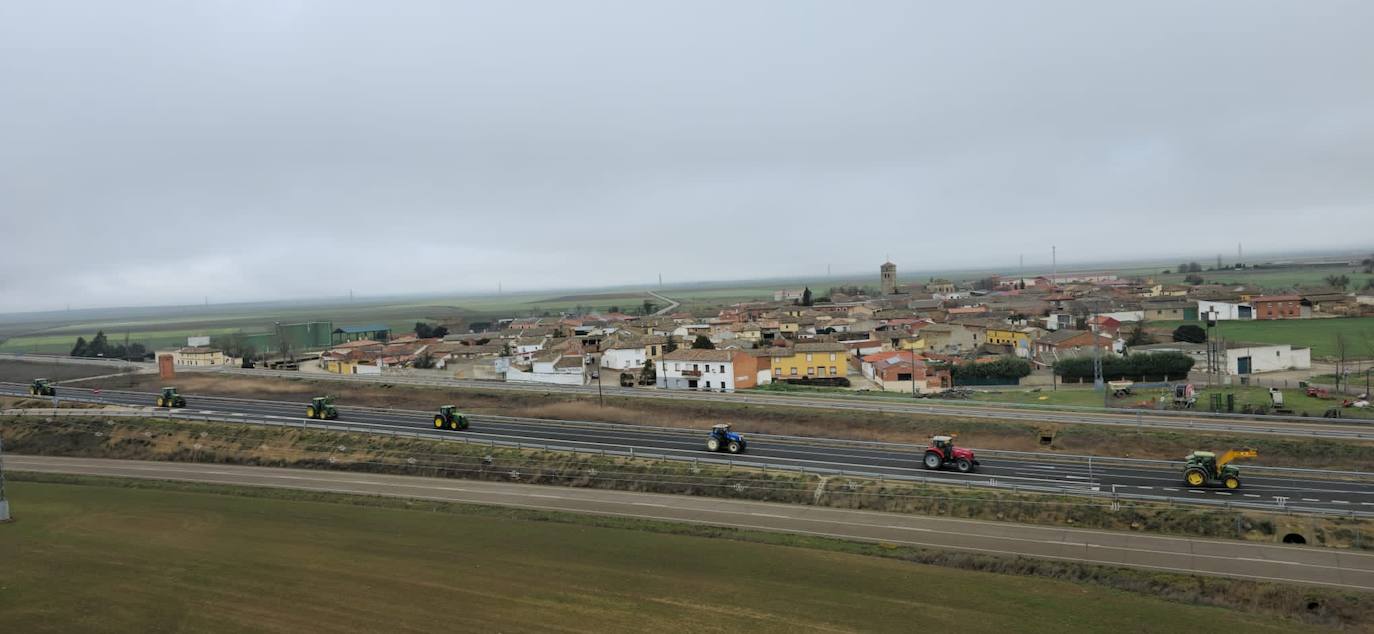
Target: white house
[(1225, 311), (1245, 358), (711, 370), (524, 348), (558, 369), (1124, 315), (624, 355)]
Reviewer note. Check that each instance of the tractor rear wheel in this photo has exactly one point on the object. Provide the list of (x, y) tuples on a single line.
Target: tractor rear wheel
[(310, 411), (1195, 477), (963, 465), (712, 444), (1232, 482), (932, 460), (733, 447), (33, 391), (438, 422), (453, 423)]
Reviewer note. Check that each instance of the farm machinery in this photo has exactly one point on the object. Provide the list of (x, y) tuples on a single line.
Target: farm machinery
[(450, 417), (942, 454), (42, 387), (322, 408), (170, 398), (1207, 469), (722, 439)]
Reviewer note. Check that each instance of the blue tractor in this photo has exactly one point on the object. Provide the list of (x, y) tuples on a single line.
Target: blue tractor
[(722, 439)]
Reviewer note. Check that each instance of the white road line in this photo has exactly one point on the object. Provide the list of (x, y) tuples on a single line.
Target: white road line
[(1221, 493), (1195, 491), (1146, 488), (1250, 495), (1340, 501), (1310, 500)]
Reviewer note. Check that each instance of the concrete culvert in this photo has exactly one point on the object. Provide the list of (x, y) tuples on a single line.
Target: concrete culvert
[(1313, 606), (1294, 538)]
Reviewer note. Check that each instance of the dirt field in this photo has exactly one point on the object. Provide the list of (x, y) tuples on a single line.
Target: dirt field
[(1077, 439), (26, 371)]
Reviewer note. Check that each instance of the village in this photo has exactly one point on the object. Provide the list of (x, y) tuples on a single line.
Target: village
[(920, 338)]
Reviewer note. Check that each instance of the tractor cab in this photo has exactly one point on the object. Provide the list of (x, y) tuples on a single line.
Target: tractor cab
[(450, 417), (941, 453), (170, 398), (321, 407), (721, 438), (42, 387)]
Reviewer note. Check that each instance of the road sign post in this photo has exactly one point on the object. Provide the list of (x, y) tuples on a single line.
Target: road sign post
[(4, 501)]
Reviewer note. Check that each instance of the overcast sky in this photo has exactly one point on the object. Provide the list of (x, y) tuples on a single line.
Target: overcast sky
[(160, 152)]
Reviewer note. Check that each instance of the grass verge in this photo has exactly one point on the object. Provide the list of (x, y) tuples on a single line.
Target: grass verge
[(184, 556)]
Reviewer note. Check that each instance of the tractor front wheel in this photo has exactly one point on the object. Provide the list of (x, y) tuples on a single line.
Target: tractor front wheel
[(733, 447), (963, 465), (1232, 482), (712, 444), (932, 460), (1195, 477), (462, 422), (310, 411), (161, 402), (438, 422)]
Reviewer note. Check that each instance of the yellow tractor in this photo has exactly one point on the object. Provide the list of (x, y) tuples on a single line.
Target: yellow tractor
[(1206, 469)]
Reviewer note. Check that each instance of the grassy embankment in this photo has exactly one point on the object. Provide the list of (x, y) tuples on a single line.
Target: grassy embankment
[(1253, 396), (774, 419), (159, 556), (185, 441)]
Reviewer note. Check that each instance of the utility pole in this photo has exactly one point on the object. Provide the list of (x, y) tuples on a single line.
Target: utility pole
[(4, 502), (913, 370), (1054, 264), (1098, 384)]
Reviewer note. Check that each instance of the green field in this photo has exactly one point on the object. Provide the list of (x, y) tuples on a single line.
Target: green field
[(1317, 334), (1272, 279), (85, 557)]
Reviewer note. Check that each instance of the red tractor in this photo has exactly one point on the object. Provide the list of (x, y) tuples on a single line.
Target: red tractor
[(942, 454)]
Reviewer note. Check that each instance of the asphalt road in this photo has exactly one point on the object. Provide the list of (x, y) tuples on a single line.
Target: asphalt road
[(1033, 470), (1349, 429), (1248, 560)]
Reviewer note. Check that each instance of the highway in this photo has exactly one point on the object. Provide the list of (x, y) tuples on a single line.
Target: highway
[(1299, 490), (1345, 429), (1329, 567)]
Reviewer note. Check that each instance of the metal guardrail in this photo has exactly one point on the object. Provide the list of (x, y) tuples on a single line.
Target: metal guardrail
[(1088, 491), (861, 444)]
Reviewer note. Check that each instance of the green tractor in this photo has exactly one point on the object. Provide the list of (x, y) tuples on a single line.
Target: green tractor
[(42, 387), (321, 407), (450, 417), (170, 398), (1206, 469)]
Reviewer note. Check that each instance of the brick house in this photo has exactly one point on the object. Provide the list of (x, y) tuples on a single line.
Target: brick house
[(1278, 307)]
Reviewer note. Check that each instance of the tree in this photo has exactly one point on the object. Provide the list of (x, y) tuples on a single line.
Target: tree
[(1337, 281), (79, 350), (613, 309), (1003, 368), (1138, 336), (670, 346), (423, 330), (439, 332), (806, 297), (648, 375), (424, 361), (647, 308), (1193, 279), (1190, 333), (703, 342), (98, 346), (1368, 264), (1137, 367)]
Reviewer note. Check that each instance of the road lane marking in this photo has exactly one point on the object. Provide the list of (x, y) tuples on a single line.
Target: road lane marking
[(1250, 495), (1221, 493), (1310, 500), (1340, 501), (1169, 489)]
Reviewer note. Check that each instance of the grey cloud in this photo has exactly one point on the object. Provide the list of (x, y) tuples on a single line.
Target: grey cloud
[(256, 150)]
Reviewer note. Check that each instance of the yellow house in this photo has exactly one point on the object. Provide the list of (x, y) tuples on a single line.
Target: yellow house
[(1009, 336), (816, 360)]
